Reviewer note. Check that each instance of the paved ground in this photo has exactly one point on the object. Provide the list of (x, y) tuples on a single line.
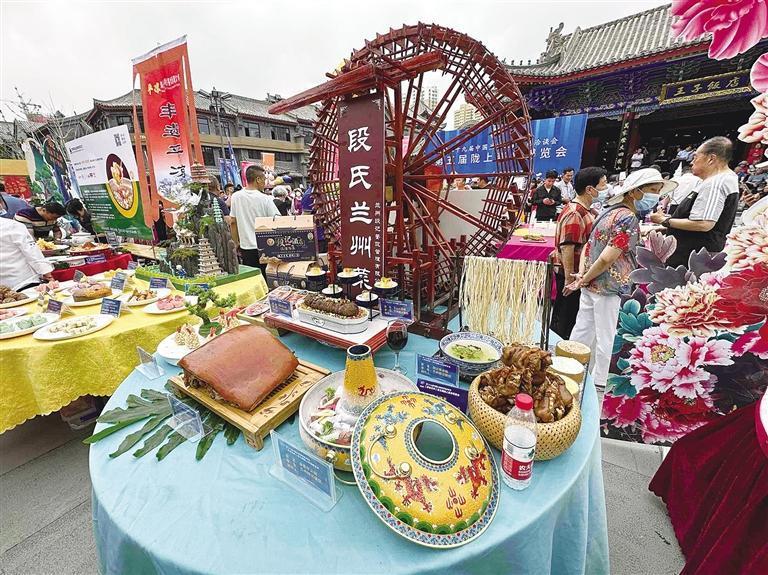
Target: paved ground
[(45, 506)]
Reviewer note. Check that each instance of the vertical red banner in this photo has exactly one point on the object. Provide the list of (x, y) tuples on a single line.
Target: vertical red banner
[(361, 179), (170, 122)]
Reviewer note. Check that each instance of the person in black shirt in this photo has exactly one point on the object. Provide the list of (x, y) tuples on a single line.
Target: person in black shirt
[(281, 200), (547, 197), (76, 209)]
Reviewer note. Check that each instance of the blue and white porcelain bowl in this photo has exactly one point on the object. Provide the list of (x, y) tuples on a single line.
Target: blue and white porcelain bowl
[(471, 368)]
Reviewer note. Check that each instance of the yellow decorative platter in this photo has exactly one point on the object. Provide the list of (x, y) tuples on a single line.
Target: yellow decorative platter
[(424, 469)]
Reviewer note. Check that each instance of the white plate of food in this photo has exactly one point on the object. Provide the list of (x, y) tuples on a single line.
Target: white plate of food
[(74, 261), (90, 296), (19, 326), (73, 327), (56, 259), (50, 248), (170, 304), (51, 286), (139, 297), (180, 343), (85, 282), (12, 298), (88, 248), (256, 309), (109, 274), (11, 313)]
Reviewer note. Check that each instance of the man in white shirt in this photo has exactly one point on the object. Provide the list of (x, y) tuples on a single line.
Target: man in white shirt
[(686, 183), (567, 191), (21, 261), (246, 205), (705, 217)]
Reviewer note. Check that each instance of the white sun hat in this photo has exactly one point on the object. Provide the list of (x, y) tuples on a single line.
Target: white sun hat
[(640, 178)]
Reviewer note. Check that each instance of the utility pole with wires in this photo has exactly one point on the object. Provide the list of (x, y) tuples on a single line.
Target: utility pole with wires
[(217, 98)]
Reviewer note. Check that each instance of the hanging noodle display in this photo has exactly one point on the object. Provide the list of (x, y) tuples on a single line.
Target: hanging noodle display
[(502, 297)]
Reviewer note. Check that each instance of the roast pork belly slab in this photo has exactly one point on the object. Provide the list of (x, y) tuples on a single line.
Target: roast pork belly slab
[(243, 365)]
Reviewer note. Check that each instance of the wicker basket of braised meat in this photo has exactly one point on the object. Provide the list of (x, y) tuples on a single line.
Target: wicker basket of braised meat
[(525, 370)]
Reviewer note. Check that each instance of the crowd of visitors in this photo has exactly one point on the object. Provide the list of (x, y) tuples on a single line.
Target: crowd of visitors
[(595, 248)]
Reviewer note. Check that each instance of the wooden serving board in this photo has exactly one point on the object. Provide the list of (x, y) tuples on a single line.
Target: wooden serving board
[(270, 413)]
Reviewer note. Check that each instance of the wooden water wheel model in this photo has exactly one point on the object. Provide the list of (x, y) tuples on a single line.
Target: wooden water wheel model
[(418, 252)]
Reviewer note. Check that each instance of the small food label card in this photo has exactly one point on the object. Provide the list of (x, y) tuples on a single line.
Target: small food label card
[(111, 306), (148, 364), (395, 309), (304, 472), (112, 239), (58, 307), (281, 307), (437, 370), (158, 283), (132, 265), (118, 283), (441, 379), (79, 276), (185, 420), (456, 396), (95, 259)]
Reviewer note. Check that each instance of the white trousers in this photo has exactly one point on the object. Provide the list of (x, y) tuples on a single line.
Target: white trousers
[(596, 322)]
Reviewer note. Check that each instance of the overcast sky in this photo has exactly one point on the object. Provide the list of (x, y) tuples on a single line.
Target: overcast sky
[(68, 53)]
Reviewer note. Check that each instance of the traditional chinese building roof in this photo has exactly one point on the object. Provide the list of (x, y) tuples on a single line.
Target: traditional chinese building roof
[(637, 39), (18, 130), (240, 105)]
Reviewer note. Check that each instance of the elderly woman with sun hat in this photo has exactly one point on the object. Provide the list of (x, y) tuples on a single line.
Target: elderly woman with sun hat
[(607, 260)]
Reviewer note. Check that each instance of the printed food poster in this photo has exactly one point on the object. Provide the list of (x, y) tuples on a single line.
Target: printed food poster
[(105, 168)]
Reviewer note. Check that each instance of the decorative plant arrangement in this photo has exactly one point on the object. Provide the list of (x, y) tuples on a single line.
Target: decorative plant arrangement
[(201, 309), (153, 406)]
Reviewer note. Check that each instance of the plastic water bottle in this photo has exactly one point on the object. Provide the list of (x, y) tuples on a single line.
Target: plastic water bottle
[(519, 443)]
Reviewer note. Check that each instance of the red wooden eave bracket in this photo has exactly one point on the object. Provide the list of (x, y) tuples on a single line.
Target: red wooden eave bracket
[(360, 79)]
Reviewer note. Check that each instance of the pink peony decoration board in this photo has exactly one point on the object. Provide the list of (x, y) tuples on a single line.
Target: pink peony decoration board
[(692, 343)]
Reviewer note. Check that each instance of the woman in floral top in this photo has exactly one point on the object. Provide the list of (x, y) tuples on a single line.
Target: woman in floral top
[(608, 259)]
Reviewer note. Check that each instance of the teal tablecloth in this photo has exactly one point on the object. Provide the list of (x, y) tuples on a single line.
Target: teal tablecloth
[(227, 514)]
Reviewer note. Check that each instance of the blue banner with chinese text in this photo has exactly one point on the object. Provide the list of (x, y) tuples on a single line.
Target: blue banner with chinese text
[(557, 144)]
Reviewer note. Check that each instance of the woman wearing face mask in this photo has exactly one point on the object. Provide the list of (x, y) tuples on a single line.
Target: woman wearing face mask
[(573, 228), (607, 260)]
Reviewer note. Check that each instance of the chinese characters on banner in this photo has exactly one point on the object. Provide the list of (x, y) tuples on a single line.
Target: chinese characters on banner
[(475, 156), (557, 144), (170, 120), (361, 178)]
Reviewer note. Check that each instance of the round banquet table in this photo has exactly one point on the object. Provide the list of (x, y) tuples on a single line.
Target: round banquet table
[(40, 377), (227, 514)]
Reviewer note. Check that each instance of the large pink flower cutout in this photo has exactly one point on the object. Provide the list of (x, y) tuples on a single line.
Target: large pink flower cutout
[(671, 417), (758, 76), (665, 362), (735, 25), (756, 128), (755, 342), (623, 410)]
